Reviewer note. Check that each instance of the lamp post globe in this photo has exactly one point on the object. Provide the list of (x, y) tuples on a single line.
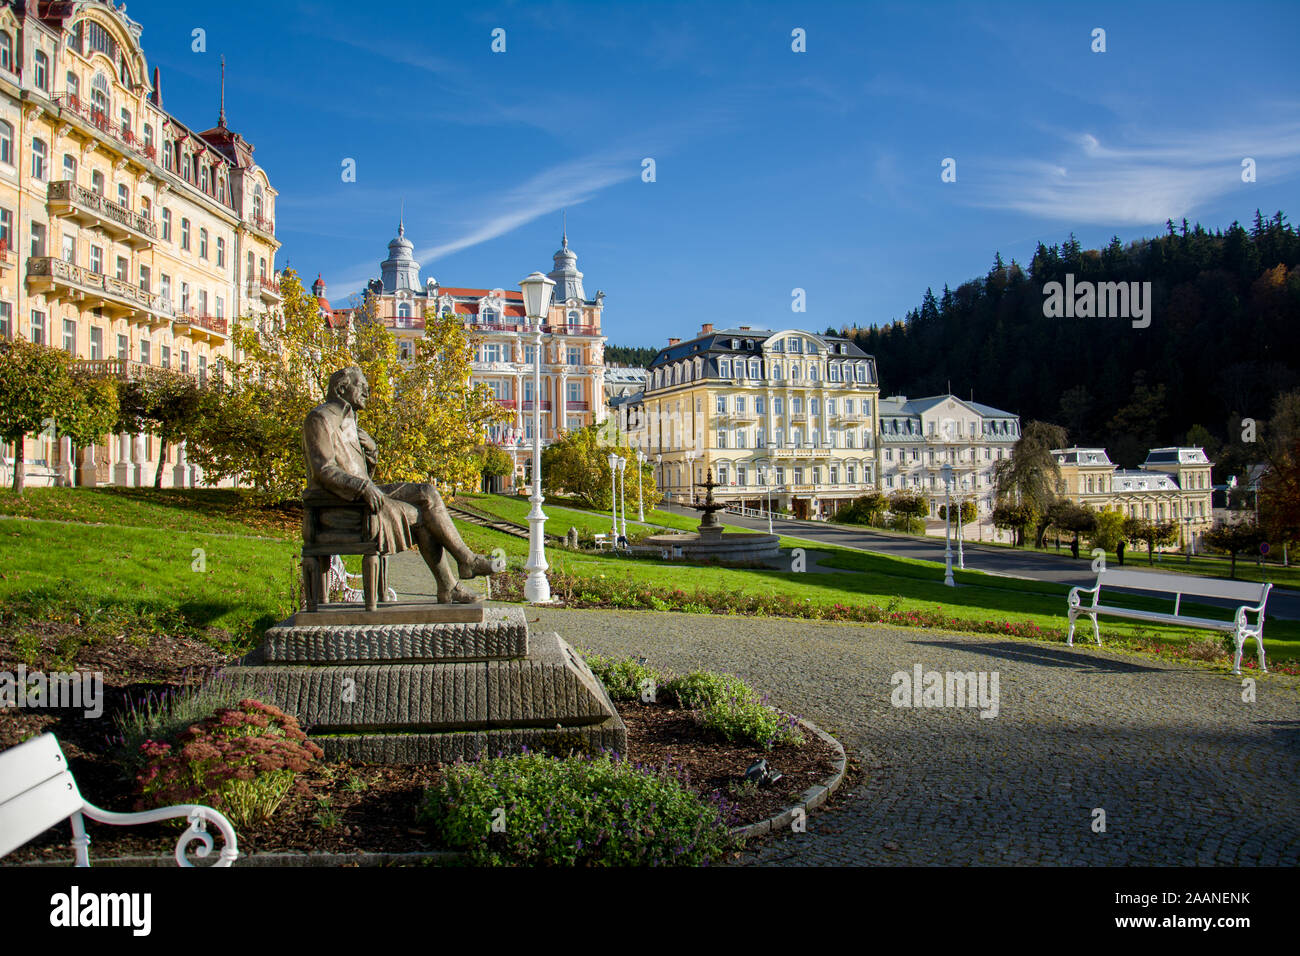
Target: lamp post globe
[(537, 299)]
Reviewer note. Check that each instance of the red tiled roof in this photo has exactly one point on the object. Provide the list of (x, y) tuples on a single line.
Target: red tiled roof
[(479, 293)]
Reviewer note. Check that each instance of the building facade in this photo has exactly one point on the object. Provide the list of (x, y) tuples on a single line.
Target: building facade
[(572, 392), (787, 416), (1172, 486), (919, 436), (126, 237)]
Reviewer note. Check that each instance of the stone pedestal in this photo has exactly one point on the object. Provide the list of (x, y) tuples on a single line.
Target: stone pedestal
[(427, 683)]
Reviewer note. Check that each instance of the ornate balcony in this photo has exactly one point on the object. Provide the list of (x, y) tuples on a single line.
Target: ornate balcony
[(125, 370), (88, 208), (214, 328), (72, 107), (63, 281), (267, 288), (801, 452), (262, 225)]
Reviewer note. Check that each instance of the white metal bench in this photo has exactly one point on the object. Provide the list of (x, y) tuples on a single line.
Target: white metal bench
[(37, 791), (1179, 585), (602, 540)]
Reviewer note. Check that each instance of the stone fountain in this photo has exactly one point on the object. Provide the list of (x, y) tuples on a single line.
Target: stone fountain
[(708, 543)]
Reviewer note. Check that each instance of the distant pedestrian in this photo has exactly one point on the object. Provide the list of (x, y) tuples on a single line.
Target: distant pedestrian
[(1074, 547), (1119, 553)]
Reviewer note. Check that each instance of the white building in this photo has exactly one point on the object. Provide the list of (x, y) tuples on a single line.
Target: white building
[(919, 436)]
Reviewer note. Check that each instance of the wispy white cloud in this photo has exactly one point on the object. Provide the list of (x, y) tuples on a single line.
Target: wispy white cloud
[(1163, 175), (563, 186)]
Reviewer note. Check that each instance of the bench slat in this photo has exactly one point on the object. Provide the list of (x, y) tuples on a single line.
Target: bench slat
[(34, 811), (28, 764), (1182, 584), (1157, 617)]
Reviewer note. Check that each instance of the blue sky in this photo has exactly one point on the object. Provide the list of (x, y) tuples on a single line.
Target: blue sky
[(775, 170)]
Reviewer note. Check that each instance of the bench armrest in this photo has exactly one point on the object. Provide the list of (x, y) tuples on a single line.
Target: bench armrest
[(1075, 592), (198, 817)]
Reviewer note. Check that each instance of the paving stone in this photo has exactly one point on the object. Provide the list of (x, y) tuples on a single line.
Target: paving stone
[(1185, 771)]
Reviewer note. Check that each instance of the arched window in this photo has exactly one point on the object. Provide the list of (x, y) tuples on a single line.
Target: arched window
[(99, 101), (404, 313), (575, 317), (6, 51), (74, 86), (487, 315), (257, 201), (42, 63), (6, 141)]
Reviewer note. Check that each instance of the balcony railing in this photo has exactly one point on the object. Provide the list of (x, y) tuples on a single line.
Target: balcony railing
[(58, 272), (124, 369), (266, 287), (528, 405), (575, 405), (72, 104), (262, 224), (209, 323), (8, 258), (68, 199)]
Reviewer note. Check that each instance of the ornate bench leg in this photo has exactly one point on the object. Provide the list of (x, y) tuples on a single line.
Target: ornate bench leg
[(370, 580), (1259, 648), (1096, 630), (311, 581), (1069, 638)]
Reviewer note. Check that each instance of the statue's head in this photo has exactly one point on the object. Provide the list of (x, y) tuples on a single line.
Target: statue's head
[(349, 384)]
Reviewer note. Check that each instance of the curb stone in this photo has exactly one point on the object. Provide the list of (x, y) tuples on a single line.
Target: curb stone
[(810, 799)]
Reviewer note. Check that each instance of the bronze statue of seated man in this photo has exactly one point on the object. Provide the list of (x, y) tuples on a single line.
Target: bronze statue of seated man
[(340, 457)]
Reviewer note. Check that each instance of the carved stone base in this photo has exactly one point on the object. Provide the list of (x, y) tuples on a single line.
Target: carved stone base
[(428, 692)]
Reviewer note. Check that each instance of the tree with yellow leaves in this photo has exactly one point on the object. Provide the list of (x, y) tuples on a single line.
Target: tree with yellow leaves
[(424, 415)]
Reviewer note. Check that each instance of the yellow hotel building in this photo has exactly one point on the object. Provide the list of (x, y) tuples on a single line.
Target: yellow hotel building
[(126, 237), (789, 415)]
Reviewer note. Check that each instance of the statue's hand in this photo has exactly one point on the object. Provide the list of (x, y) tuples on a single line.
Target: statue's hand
[(373, 497)]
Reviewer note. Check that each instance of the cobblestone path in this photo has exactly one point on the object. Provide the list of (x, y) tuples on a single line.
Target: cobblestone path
[(1186, 772)]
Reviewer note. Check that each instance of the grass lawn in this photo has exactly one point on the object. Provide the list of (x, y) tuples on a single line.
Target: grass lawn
[(145, 579), (1207, 566), (561, 513), (141, 565), (905, 583)]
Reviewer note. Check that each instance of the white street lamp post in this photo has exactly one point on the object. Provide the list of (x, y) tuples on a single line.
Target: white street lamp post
[(961, 518), (767, 486), (622, 491), (640, 501), (613, 499), (947, 527), (537, 298)]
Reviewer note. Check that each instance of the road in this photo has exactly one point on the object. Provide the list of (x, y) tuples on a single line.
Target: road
[(1282, 604)]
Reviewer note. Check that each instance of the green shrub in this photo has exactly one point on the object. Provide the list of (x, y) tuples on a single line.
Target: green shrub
[(572, 811), (734, 709), (622, 677), (909, 523), (242, 761)]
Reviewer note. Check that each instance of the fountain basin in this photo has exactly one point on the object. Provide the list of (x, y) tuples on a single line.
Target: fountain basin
[(732, 547)]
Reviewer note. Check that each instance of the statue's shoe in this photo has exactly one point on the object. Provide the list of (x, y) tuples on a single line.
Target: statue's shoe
[(457, 595), (477, 565)]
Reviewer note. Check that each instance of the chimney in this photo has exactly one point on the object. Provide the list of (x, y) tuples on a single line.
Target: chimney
[(672, 342), (706, 328), (743, 328)]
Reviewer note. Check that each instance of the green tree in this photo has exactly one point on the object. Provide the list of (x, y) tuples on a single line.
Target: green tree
[(1107, 530), (1234, 539), (865, 509), (1152, 534), (1017, 518), (1029, 478), (35, 389), (577, 463), (967, 512), (166, 404), (425, 415)]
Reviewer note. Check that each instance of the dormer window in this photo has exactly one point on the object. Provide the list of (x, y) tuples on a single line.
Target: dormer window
[(487, 315)]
